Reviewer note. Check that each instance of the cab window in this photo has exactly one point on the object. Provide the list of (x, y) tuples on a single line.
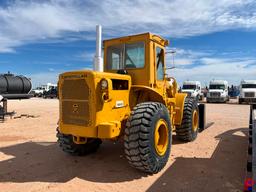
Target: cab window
[(126, 56), (134, 55), (160, 63), (115, 57)]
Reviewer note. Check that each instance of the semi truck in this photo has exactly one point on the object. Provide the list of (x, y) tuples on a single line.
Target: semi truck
[(192, 89), (218, 91), (247, 91)]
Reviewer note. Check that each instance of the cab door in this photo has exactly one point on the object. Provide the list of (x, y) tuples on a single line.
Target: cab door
[(159, 68)]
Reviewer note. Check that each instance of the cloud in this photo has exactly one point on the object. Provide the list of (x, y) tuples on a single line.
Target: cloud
[(51, 69), (183, 58), (34, 21), (86, 56), (208, 64), (208, 68), (42, 78)]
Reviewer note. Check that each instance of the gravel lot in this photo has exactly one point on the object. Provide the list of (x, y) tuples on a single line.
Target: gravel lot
[(30, 159)]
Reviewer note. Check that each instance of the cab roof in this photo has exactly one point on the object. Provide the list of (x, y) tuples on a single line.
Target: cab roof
[(214, 82), (156, 38), (248, 82), (191, 83)]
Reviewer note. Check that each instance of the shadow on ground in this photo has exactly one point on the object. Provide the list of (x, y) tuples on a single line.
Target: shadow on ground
[(45, 162), (221, 172)]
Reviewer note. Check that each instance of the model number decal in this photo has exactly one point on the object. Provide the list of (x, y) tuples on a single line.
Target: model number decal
[(119, 104)]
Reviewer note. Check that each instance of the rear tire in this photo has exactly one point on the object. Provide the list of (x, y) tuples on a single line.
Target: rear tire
[(67, 144), (148, 134), (190, 122)]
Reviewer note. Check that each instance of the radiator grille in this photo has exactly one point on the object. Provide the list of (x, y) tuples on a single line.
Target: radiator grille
[(75, 89), (75, 102), (249, 94), (75, 113), (215, 94)]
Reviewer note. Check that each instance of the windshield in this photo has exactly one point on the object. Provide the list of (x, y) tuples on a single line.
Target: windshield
[(248, 85), (189, 87), (217, 86), (126, 56)]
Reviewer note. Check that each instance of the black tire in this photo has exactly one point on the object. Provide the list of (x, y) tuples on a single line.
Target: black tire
[(186, 132), (240, 101), (139, 141), (68, 146)]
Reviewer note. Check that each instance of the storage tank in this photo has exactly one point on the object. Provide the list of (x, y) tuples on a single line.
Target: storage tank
[(14, 87)]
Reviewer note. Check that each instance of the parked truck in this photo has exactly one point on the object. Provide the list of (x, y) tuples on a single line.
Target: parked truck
[(218, 91), (43, 89), (247, 91), (193, 89)]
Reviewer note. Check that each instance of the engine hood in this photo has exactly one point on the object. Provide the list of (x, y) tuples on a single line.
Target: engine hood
[(216, 90), (248, 90), (188, 90)]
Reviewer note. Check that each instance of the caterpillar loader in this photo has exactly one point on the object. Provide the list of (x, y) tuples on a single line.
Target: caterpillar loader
[(133, 99)]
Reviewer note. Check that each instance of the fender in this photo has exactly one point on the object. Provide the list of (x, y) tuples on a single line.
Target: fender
[(147, 94), (179, 107)]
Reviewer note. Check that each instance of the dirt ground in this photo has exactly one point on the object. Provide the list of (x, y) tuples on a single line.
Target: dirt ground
[(30, 159)]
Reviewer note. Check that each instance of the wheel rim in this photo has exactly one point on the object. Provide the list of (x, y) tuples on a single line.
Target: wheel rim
[(195, 120), (161, 137)]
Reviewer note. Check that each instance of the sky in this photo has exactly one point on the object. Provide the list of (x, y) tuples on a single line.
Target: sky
[(212, 39)]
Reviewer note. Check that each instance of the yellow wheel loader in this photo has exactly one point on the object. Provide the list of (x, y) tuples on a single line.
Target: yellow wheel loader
[(133, 98)]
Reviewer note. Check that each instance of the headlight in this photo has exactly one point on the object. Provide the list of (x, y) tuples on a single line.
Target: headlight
[(104, 84)]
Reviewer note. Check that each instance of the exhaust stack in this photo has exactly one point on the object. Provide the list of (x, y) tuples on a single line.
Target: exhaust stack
[(98, 61)]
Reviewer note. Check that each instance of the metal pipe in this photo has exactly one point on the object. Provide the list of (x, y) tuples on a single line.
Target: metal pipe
[(98, 61)]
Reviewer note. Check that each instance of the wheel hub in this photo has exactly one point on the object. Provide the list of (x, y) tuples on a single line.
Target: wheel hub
[(195, 120), (161, 137)]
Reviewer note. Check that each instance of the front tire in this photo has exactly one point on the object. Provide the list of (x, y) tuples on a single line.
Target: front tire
[(67, 144), (148, 134), (190, 122)]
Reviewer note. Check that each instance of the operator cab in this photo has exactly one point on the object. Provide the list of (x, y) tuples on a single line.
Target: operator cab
[(138, 56)]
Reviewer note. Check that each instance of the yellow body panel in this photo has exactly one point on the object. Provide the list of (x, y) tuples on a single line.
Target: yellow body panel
[(180, 98), (87, 110), (103, 113), (109, 130)]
